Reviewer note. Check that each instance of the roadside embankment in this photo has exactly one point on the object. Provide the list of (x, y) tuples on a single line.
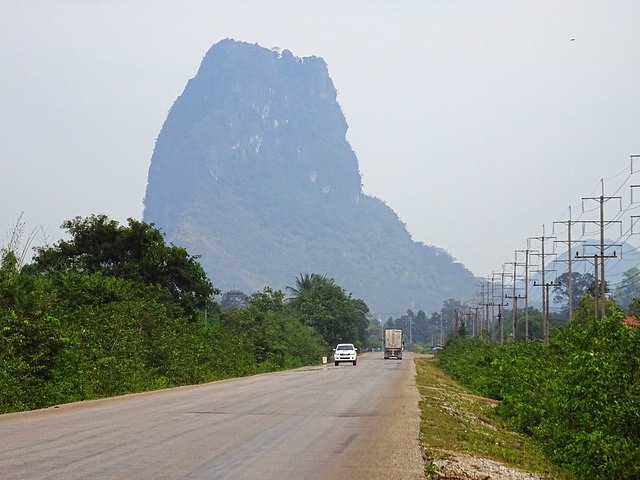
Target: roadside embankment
[(462, 441)]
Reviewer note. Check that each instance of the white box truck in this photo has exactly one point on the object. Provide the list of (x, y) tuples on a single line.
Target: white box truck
[(393, 343)]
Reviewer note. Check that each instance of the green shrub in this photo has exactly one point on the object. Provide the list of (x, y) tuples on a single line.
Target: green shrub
[(579, 396)]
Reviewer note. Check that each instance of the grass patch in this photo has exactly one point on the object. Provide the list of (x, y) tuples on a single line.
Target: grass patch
[(455, 423)]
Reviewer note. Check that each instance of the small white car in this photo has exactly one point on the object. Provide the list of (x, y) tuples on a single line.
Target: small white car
[(345, 352)]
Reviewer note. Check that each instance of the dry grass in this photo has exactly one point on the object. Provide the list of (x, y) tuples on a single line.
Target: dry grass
[(455, 423)]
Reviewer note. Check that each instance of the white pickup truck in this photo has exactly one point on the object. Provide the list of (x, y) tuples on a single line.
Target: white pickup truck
[(345, 352)]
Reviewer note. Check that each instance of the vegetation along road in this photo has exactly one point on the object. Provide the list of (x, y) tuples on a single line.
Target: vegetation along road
[(315, 422)]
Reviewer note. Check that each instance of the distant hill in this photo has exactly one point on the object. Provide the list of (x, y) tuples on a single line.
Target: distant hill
[(252, 171)]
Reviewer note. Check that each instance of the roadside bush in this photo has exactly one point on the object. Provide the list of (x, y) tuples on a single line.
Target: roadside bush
[(592, 423), (579, 396), (275, 340), (115, 310), (470, 360), (31, 338), (73, 336)]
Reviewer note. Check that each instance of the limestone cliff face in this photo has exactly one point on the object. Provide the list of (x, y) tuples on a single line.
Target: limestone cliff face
[(252, 171)]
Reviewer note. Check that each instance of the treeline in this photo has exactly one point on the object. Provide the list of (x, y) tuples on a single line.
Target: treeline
[(422, 331), (579, 396), (115, 310)]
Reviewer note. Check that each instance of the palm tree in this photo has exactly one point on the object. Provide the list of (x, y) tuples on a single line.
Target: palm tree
[(304, 284)]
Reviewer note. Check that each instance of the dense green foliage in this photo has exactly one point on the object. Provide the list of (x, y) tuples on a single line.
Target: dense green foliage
[(74, 336), (91, 318), (137, 252), (579, 396), (324, 305), (581, 285), (455, 423)]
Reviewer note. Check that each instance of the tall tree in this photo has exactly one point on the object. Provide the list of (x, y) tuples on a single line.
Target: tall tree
[(325, 306), (362, 319), (421, 328), (304, 284), (581, 284), (135, 252), (628, 290), (448, 315)]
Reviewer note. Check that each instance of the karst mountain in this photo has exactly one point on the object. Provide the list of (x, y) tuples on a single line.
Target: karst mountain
[(253, 172)]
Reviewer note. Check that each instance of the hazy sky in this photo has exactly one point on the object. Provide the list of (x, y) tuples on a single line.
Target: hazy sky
[(476, 121)]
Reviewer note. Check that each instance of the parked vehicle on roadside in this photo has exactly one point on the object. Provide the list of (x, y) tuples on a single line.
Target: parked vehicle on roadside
[(345, 352)]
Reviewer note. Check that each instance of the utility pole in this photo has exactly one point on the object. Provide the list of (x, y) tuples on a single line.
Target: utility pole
[(569, 224), (602, 199), (466, 318), (545, 291), (526, 290), (515, 297), (492, 300), (634, 218), (570, 272), (598, 290), (496, 303), (484, 302), (475, 318), (411, 328), (514, 320), (479, 307), (500, 305), (545, 324), (486, 308), (456, 324)]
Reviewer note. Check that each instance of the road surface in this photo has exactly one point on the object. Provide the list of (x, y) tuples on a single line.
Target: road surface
[(321, 422)]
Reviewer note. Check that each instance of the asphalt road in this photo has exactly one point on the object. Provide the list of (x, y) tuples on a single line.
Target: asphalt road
[(322, 422)]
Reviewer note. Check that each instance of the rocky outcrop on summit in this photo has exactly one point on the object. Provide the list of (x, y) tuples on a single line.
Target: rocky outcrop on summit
[(252, 171)]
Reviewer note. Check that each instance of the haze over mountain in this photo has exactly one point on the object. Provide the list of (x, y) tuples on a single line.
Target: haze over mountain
[(252, 171)]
